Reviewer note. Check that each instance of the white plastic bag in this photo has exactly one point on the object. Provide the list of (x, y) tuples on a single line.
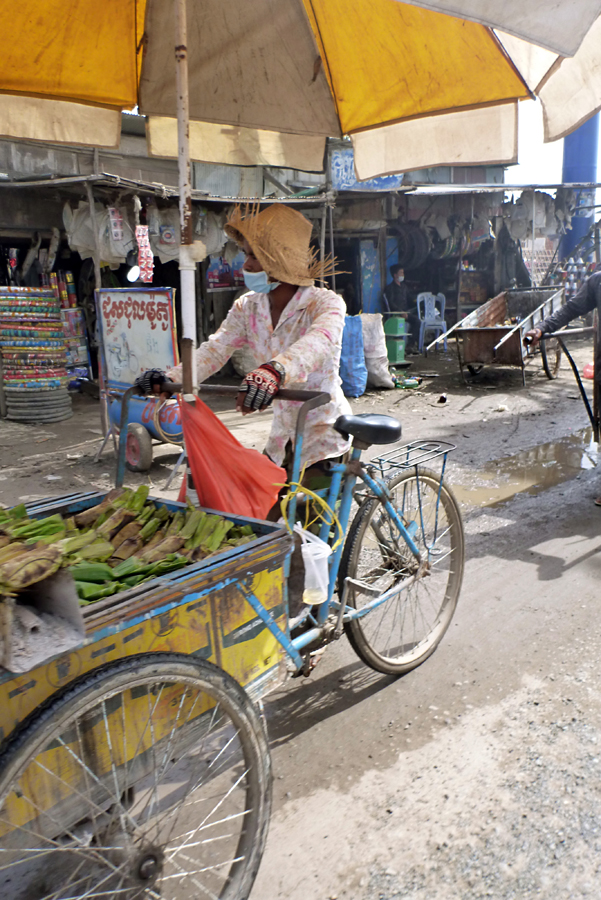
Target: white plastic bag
[(376, 355), (315, 553)]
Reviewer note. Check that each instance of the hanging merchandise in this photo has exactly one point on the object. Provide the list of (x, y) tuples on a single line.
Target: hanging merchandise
[(33, 352), (145, 257)]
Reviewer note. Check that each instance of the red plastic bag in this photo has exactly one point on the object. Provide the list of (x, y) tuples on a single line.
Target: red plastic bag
[(227, 476)]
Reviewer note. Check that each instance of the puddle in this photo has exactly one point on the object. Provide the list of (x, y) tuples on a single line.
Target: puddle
[(529, 472)]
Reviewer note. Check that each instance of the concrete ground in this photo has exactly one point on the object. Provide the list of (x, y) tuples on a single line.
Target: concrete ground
[(476, 775)]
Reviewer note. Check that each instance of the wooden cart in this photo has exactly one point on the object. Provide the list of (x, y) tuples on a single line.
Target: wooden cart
[(493, 334), (145, 720)]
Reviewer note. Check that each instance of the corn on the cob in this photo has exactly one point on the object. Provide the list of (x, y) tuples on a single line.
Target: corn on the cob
[(29, 567), (126, 549), (169, 545), (176, 525), (132, 530), (115, 522), (150, 529), (77, 542), (99, 551), (138, 500), (193, 520)]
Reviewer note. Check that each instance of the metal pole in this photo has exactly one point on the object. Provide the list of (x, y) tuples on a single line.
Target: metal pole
[(187, 265), (533, 233), (331, 214), (104, 403), (322, 242)]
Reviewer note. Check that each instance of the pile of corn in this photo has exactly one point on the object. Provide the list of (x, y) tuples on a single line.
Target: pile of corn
[(110, 547)]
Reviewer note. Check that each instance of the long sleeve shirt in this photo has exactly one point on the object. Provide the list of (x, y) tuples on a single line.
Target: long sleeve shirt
[(586, 300), (306, 341)]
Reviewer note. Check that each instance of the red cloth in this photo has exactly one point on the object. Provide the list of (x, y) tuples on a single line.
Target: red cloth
[(227, 476)]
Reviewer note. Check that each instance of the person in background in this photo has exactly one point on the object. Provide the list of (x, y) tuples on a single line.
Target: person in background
[(586, 300), (395, 299)]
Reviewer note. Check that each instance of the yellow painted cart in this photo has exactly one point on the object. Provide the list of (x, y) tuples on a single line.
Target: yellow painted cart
[(132, 765)]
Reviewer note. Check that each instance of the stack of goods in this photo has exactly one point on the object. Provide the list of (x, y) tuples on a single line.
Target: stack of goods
[(111, 547), (32, 347)]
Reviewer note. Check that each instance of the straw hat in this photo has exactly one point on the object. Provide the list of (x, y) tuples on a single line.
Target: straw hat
[(280, 239)]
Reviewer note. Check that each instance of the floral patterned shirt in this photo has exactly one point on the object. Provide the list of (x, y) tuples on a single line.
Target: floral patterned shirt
[(306, 341)]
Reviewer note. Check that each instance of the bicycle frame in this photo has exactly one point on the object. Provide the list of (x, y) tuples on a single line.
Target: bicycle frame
[(344, 479)]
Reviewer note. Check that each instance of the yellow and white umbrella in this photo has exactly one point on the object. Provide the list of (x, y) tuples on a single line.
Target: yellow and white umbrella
[(265, 82)]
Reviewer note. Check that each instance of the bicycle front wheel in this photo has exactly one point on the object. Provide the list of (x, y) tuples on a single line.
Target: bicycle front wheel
[(399, 634), (150, 778)]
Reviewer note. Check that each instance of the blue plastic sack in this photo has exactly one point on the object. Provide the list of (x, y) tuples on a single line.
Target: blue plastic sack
[(353, 370)]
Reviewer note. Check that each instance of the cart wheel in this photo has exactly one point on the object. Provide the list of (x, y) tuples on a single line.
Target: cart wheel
[(550, 352), (148, 778), (138, 448)]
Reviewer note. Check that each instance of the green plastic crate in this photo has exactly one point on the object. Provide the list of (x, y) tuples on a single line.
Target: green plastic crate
[(395, 326), (395, 348)]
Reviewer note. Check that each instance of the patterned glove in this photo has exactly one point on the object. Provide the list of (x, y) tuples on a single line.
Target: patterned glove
[(262, 385), (148, 379)]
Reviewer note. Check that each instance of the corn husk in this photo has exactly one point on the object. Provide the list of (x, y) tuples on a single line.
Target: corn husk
[(29, 567)]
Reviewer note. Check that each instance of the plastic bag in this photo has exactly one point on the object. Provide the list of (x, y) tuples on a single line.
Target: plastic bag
[(315, 553), (376, 355), (352, 359), (227, 477)]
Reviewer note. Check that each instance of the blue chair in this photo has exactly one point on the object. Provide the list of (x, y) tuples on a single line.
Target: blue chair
[(430, 310)]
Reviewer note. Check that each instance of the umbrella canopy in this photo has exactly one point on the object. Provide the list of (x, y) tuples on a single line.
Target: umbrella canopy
[(269, 80)]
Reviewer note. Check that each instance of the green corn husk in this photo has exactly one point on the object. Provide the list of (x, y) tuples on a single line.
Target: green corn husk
[(128, 548), (137, 501), (90, 516), (115, 522), (78, 541), (150, 529), (134, 580), (99, 573), (38, 527), (11, 550), (193, 520), (29, 567), (4, 540), (156, 539), (132, 530), (177, 523), (99, 551), (205, 528), (89, 592), (128, 567), (71, 526), (169, 545), (123, 499), (247, 529), (170, 564), (215, 539), (52, 538), (162, 513), (146, 514), (18, 512)]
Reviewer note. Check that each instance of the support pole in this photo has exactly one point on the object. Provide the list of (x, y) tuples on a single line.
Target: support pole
[(187, 265), (104, 402), (322, 242), (331, 214)]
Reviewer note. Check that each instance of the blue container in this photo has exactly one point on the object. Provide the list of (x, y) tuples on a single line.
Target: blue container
[(141, 410)]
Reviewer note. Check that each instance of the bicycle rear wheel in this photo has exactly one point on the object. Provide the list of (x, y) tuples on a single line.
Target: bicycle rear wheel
[(150, 778), (401, 633)]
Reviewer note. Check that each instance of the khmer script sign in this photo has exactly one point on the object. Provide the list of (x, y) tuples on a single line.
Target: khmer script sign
[(137, 332)]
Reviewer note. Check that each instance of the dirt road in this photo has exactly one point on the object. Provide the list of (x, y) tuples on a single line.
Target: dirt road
[(477, 775)]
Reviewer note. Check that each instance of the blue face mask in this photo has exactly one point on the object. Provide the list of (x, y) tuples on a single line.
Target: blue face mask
[(259, 282)]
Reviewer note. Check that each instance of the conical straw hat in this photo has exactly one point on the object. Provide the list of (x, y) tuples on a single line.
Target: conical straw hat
[(280, 238)]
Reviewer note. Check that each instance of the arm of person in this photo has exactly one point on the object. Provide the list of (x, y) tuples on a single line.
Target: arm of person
[(213, 354), (318, 343), (584, 301)]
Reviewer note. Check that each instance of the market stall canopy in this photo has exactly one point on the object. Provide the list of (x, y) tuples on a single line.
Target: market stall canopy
[(269, 80)]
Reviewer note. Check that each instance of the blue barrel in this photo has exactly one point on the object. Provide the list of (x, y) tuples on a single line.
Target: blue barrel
[(580, 149), (141, 410)]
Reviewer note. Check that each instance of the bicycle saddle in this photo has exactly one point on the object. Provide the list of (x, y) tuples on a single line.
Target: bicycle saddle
[(369, 428)]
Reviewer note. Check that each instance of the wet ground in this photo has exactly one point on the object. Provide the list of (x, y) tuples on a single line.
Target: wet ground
[(476, 775)]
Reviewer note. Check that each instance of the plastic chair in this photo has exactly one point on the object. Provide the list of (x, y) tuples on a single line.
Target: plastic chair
[(430, 309)]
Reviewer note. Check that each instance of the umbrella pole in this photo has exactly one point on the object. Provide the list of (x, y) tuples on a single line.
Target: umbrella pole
[(187, 265)]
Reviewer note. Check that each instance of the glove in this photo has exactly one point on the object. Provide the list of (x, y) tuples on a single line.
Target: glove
[(149, 379), (262, 385)]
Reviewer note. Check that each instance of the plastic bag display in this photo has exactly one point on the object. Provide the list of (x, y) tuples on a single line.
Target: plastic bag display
[(376, 355), (315, 553), (227, 477), (353, 371)]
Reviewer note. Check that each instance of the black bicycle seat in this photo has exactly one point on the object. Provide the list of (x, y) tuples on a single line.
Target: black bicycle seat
[(369, 428)]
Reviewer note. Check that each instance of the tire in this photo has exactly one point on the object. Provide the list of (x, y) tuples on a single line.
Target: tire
[(138, 448), (551, 354), (402, 633), (148, 778), (38, 419)]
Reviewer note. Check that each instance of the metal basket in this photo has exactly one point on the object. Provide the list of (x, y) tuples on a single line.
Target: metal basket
[(416, 453)]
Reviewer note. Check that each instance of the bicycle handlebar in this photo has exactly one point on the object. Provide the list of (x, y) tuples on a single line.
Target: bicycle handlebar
[(226, 390)]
